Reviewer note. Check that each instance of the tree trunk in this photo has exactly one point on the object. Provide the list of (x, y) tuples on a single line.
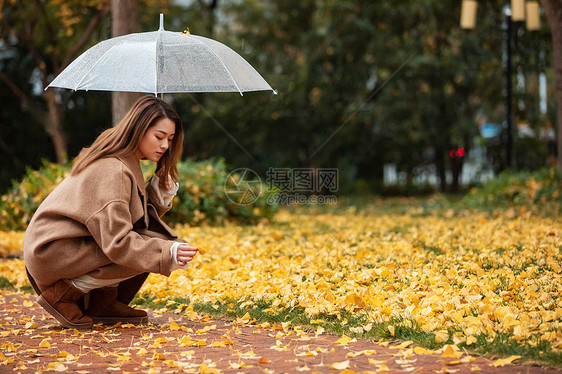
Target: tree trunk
[(53, 127), (553, 11), (456, 171), (439, 159), (125, 20)]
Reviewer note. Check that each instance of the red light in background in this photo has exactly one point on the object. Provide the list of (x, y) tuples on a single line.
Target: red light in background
[(457, 152)]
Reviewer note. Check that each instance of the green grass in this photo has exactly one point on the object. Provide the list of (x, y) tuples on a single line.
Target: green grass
[(6, 284)]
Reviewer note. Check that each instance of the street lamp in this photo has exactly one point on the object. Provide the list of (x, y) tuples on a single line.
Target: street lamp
[(518, 11)]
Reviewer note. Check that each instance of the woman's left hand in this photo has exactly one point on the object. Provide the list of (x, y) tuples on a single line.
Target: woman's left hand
[(169, 181)]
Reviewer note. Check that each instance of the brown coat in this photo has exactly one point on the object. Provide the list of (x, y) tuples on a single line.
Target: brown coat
[(104, 222)]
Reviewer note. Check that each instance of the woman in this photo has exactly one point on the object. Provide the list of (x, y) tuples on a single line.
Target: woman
[(93, 241)]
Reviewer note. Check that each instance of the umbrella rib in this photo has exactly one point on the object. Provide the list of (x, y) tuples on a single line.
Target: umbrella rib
[(223, 65), (156, 46)]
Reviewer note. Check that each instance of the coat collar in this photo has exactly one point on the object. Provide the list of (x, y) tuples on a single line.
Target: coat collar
[(131, 161)]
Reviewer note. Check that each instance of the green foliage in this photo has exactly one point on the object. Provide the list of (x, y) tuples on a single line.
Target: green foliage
[(21, 201), (523, 191), (201, 199)]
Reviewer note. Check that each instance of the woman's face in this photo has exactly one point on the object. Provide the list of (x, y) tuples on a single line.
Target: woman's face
[(156, 140)]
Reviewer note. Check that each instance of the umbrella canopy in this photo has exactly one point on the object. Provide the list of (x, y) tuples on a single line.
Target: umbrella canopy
[(161, 62)]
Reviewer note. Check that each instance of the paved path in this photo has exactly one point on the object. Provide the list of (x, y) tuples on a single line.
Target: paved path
[(32, 341)]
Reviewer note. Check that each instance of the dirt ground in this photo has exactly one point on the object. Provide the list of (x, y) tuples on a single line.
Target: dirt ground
[(31, 341)]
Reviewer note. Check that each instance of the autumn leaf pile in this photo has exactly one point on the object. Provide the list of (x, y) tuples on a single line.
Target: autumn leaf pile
[(460, 276)]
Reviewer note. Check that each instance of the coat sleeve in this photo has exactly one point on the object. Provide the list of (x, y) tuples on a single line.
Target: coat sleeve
[(111, 226), (112, 230)]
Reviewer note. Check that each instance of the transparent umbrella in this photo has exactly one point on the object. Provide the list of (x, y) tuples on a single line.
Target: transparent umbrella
[(161, 62)]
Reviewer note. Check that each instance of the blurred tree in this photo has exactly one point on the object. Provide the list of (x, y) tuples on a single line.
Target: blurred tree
[(360, 84), (425, 107), (305, 50), (58, 31), (48, 35)]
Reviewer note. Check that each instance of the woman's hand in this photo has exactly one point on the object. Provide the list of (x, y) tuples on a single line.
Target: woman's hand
[(186, 253), (169, 185)]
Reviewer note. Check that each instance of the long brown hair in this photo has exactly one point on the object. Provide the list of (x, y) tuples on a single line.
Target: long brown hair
[(124, 138)]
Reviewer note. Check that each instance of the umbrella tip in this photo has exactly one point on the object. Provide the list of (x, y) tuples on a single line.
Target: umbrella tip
[(161, 22)]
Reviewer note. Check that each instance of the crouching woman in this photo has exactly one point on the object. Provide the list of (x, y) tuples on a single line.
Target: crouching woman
[(93, 241)]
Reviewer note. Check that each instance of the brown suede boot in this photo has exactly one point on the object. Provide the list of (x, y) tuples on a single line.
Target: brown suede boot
[(60, 301), (105, 308)]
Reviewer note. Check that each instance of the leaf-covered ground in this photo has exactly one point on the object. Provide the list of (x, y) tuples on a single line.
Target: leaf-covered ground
[(467, 279), (31, 341)]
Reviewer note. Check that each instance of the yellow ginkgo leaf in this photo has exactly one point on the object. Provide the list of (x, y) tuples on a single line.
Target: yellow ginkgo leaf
[(423, 351), (403, 345), (451, 352), (340, 365), (173, 325), (471, 340), (382, 368), (441, 336), (45, 343), (236, 365), (391, 329), (505, 361), (56, 366), (316, 321), (344, 340)]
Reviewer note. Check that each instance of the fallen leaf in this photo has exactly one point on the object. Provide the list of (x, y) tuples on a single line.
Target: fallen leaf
[(344, 340), (173, 325), (340, 365), (391, 329), (402, 346), (504, 361), (423, 351), (45, 343), (441, 336), (451, 352)]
